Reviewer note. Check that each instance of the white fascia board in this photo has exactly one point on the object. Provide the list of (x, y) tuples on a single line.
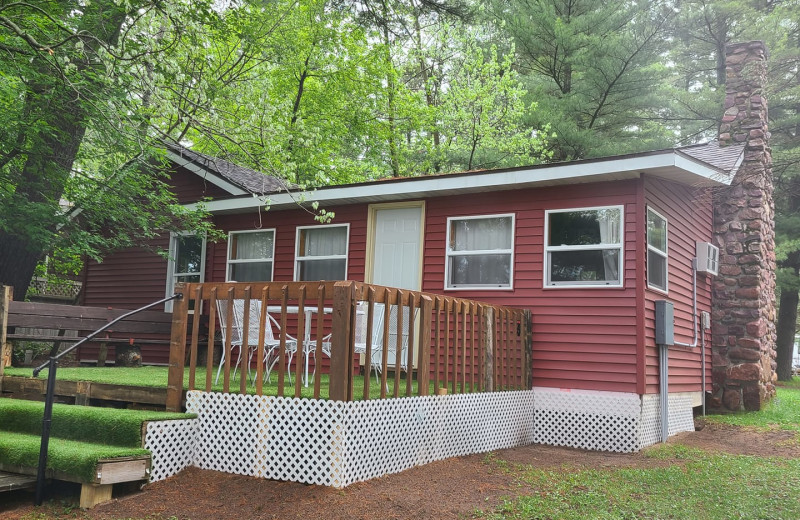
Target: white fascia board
[(583, 172), (701, 170), (205, 174)]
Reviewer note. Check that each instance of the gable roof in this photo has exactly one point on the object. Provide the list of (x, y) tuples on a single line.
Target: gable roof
[(236, 180), (705, 164)]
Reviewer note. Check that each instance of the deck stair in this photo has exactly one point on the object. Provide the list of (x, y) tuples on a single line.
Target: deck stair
[(96, 447)]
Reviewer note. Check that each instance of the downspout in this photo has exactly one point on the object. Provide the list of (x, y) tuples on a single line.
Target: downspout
[(663, 383)]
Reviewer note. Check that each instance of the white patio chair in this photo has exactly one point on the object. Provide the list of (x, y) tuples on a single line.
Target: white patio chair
[(393, 328), (376, 361), (271, 342)]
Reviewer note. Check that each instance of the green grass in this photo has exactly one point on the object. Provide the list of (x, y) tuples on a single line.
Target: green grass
[(782, 412), (81, 423), (156, 377), (695, 485), (72, 457)]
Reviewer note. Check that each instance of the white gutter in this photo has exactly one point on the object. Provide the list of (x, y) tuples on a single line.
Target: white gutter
[(661, 164)]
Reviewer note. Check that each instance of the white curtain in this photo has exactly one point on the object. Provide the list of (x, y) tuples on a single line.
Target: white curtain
[(252, 245), (609, 221), (481, 234), (485, 234), (324, 241)]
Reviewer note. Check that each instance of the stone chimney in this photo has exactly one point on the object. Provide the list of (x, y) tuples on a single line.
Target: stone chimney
[(743, 318)]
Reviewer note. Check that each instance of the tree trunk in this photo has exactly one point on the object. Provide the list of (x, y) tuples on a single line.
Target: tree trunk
[(787, 319), (57, 125)]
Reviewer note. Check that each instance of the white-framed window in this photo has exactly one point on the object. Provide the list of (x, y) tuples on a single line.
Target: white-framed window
[(250, 255), (657, 251), (480, 252), (186, 261), (321, 252), (584, 247)]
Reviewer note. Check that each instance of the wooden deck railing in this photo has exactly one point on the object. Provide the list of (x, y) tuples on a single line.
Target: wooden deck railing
[(453, 344)]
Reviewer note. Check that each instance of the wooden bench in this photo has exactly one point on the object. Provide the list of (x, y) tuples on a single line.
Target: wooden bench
[(144, 328)]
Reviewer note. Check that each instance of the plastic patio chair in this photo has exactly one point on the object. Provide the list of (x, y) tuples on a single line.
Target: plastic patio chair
[(271, 342)]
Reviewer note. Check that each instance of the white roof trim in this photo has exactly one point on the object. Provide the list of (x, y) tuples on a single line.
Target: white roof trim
[(179, 160), (664, 164)]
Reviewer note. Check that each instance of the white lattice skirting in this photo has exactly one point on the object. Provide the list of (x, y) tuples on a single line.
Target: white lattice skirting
[(170, 444), (606, 421), (336, 444)]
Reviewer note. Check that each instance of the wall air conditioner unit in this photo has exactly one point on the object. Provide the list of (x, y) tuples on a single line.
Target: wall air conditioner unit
[(707, 258)]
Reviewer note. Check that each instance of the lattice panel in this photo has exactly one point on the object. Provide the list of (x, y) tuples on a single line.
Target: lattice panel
[(229, 426), (650, 423), (681, 418), (605, 421), (171, 444), (389, 436), (302, 441), (335, 443)]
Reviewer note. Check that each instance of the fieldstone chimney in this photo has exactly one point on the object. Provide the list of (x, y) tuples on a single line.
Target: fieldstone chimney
[(743, 318)]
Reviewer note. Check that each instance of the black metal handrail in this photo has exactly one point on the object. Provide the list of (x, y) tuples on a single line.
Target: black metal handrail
[(51, 365)]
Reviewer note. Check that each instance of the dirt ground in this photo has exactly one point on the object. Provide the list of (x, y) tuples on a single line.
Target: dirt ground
[(449, 489)]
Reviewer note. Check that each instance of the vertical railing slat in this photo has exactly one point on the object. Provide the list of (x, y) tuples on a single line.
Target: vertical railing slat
[(318, 354), (412, 305), (226, 376), (212, 332), (197, 299), (300, 354), (263, 323)]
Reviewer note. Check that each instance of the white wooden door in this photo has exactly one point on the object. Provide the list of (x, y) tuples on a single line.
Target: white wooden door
[(396, 245)]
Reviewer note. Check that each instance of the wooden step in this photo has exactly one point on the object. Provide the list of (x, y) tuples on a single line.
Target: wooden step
[(12, 481)]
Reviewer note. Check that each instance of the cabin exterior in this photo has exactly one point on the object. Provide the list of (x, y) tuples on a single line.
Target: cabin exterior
[(588, 246)]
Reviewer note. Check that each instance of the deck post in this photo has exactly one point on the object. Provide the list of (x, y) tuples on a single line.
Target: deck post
[(527, 338), (177, 350), (489, 346), (6, 294), (424, 361), (341, 371)]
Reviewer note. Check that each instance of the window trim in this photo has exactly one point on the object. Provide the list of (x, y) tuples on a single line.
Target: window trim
[(229, 262), (547, 284), (448, 253), (664, 254), (170, 284), (298, 258)]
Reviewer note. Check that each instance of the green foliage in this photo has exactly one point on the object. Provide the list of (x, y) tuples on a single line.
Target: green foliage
[(781, 412), (594, 69)]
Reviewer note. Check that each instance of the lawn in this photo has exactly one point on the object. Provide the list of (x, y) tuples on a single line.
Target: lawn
[(156, 377), (695, 484)]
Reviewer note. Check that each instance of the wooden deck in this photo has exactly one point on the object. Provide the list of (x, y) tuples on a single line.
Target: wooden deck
[(14, 481), (83, 392)]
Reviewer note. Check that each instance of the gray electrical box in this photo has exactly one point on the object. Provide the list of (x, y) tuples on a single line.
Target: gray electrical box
[(665, 323)]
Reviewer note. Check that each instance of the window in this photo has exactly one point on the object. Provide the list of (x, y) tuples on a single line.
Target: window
[(479, 252), (656, 251), (584, 247), (250, 255), (321, 253), (187, 260)]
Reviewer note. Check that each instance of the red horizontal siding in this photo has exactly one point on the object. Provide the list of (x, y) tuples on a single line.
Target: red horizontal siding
[(582, 338), (688, 214)]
